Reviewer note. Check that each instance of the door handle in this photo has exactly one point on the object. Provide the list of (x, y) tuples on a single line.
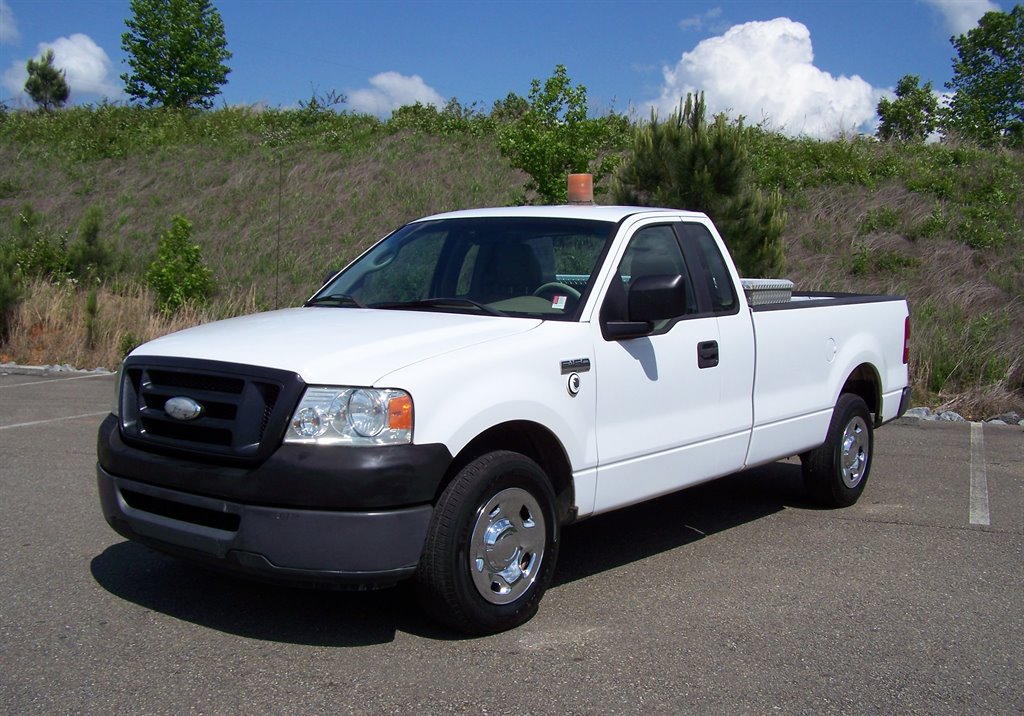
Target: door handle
[(707, 354)]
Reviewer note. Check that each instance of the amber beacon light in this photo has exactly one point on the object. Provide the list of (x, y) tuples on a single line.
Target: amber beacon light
[(581, 188)]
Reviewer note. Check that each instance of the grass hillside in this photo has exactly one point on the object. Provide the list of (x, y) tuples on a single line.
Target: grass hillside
[(277, 198)]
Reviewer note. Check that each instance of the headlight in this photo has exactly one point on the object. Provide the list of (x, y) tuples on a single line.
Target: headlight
[(338, 415)]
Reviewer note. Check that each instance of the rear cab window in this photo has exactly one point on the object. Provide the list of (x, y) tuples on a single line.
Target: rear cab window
[(711, 263)]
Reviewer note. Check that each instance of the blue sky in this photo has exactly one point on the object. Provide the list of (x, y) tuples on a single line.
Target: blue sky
[(803, 67)]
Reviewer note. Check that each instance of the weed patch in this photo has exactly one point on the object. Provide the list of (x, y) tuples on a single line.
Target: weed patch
[(884, 218)]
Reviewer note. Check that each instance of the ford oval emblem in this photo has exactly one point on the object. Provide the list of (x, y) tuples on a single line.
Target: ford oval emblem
[(182, 408)]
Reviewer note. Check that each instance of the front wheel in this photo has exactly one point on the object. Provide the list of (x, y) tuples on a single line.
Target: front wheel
[(835, 473), (491, 546)]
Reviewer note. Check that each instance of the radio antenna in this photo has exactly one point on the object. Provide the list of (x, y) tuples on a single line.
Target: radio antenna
[(277, 268)]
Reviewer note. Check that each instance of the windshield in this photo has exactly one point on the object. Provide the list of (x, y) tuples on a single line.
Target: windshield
[(514, 266)]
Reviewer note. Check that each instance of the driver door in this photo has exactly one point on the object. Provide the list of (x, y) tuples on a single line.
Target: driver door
[(659, 419)]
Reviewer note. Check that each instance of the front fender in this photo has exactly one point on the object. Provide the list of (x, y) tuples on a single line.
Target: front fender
[(519, 378)]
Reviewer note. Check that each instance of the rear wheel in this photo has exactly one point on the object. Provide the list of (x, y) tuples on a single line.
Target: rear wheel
[(491, 546), (835, 473)]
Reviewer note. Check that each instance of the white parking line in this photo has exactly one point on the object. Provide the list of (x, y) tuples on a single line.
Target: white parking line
[(53, 420), (979, 482), (56, 380)]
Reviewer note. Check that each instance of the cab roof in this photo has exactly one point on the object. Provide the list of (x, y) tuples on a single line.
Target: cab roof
[(612, 214)]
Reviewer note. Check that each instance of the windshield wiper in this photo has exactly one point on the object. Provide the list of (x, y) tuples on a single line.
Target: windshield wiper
[(441, 302), (341, 299)]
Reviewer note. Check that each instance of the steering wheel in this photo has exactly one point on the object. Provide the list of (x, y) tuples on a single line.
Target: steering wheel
[(553, 288)]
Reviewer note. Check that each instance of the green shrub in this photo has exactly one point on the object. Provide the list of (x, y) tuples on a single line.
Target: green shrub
[(178, 275), (91, 318), (37, 250), (127, 344), (790, 165), (932, 225), (89, 257), (453, 120), (10, 285), (865, 261), (883, 218), (979, 229), (553, 137)]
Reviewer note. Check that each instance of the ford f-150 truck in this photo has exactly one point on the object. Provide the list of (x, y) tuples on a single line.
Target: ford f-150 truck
[(474, 382)]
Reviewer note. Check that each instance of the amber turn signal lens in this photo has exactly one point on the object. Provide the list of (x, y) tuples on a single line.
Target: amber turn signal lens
[(400, 413)]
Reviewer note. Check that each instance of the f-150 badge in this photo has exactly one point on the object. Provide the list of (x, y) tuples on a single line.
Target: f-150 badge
[(576, 365)]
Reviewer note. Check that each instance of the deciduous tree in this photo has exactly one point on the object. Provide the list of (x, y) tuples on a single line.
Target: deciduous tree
[(913, 115), (176, 50), (988, 79), (551, 136)]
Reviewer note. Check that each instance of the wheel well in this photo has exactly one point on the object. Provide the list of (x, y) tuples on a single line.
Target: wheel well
[(530, 439), (864, 381)]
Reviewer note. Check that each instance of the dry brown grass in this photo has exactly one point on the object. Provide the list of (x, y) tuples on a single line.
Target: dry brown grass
[(49, 326)]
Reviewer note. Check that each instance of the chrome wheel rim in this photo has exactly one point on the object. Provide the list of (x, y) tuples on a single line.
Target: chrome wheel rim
[(854, 452), (507, 545)]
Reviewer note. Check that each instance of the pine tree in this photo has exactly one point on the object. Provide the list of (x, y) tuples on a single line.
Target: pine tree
[(686, 163), (46, 85)]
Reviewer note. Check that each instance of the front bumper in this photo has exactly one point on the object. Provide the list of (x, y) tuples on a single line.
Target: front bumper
[(337, 515), (317, 477), (280, 544)]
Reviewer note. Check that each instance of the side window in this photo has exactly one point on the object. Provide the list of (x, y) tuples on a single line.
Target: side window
[(653, 251), (723, 296)]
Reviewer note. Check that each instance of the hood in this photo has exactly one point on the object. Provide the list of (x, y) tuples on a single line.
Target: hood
[(329, 345)]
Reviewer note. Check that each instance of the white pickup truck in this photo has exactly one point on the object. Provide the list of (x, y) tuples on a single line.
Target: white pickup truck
[(474, 382)]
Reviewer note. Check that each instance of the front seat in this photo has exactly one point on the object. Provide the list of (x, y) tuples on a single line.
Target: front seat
[(511, 270)]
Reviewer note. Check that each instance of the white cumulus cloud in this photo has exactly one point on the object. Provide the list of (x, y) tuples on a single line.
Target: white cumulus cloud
[(390, 90), (8, 27), (765, 71), (962, 15), (86, 67)]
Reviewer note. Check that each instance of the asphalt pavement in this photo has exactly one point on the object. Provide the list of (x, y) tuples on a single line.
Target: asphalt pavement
[(732, 597)]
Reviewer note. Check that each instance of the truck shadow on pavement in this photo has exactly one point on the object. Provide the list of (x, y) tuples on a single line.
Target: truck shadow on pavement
[(624, 536), (350, 619)]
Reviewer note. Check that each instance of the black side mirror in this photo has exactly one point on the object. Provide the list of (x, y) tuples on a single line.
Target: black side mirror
[(654, 298), (650, 299)]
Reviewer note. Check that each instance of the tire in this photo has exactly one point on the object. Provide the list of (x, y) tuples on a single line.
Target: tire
[(835, 473), (491, 546)]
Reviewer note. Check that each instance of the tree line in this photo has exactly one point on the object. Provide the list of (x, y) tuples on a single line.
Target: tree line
[(986, 104), (177, 53)]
